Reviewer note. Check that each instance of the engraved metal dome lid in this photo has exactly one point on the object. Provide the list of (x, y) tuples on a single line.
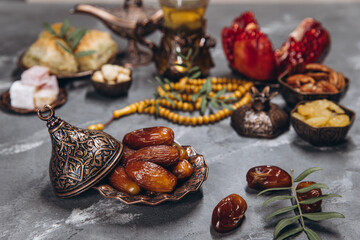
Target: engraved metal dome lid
[(80, 158)]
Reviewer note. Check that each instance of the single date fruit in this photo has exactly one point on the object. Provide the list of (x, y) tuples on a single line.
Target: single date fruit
[(148, 137), (127, 152), (228, 213), (151, 176), (182, 151), (263, 177), (162, 155), (309, 208), (121, 181), (183, 169)]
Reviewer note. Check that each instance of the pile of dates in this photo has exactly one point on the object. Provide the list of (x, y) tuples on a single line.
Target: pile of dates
[(151, 161), (317, 78)]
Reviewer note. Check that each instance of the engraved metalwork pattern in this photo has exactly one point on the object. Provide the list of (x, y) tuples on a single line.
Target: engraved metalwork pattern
[(190, 185), (80, 157)]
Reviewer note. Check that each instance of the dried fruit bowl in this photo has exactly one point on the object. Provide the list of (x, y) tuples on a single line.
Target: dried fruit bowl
[(321, 136), (292, 97), (192, 184)]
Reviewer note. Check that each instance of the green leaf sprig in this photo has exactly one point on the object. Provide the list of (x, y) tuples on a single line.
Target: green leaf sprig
[(72, 39), (284, 227), (204, 93), (192, 72)]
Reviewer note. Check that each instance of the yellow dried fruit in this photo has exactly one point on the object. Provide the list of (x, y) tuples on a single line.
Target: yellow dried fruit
[(339, 121), (317, 121), (322, 113)]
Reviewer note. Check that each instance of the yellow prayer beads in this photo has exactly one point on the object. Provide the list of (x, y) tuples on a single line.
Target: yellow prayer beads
[(186, 87)]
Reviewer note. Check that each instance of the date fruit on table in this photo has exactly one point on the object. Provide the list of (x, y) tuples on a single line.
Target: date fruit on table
[(121, 181), (151, 176), (148, 137), (163, 155), (250, 52), (263, 177), (228, 213), (309, 208)]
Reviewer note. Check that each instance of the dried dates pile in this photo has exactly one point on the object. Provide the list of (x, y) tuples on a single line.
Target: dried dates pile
[(151, 161), (317, 78)]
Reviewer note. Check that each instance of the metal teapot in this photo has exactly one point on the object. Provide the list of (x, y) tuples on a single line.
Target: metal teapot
[(123, 21)]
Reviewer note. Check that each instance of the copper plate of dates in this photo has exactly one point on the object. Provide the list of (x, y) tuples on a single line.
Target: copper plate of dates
[(192, 184), (6, 106), (292, 97), (321, 136)]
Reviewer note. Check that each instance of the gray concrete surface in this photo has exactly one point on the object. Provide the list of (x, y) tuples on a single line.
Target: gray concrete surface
[(30, 210)]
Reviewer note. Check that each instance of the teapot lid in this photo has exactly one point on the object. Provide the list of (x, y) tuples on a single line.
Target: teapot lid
[(80, 158)]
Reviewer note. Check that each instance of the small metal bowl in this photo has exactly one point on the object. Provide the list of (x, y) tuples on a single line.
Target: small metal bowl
[(192, 184), (292, 97), (112, 90), (321, 136)]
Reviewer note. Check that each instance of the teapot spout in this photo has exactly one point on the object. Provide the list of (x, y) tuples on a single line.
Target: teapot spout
[(105, 16)]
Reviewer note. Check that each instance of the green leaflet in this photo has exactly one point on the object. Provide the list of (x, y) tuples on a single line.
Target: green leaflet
[(203, 105), (311, 234), (281, 197), (316, 199), (289, 233), (63, 47), (214, 103), (84, 53), (284, 223), (306, 173), (195, 75), (320, 216), (76, 36), (170, 100), (49, 29), (161, 84), (280, 211), (273, 189), (311, 187), (64, 27)]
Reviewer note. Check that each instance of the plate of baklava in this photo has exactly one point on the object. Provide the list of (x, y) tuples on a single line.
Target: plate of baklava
[(69, 52)]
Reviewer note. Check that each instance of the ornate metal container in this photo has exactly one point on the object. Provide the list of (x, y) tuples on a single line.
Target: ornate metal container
[(260, 118), (80, 158)]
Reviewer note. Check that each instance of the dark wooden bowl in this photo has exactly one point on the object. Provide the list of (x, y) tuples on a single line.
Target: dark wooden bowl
[(292, 97), (112, 90), (321, 136)]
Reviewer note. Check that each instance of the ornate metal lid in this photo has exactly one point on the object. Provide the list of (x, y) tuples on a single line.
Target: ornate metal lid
[(80, 158)]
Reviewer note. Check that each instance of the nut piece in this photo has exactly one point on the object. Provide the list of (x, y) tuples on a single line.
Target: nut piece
[(148, 137), (183, 169), (163, 155), (317, 78), (228, 213), (151, 176), (121, 181)]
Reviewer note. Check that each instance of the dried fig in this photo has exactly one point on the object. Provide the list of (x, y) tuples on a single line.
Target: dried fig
[(148, 137), (121, 181), (151, 176), (163, 155)]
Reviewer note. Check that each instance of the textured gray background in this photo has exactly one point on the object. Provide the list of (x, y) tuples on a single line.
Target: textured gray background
[(30, 210)]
